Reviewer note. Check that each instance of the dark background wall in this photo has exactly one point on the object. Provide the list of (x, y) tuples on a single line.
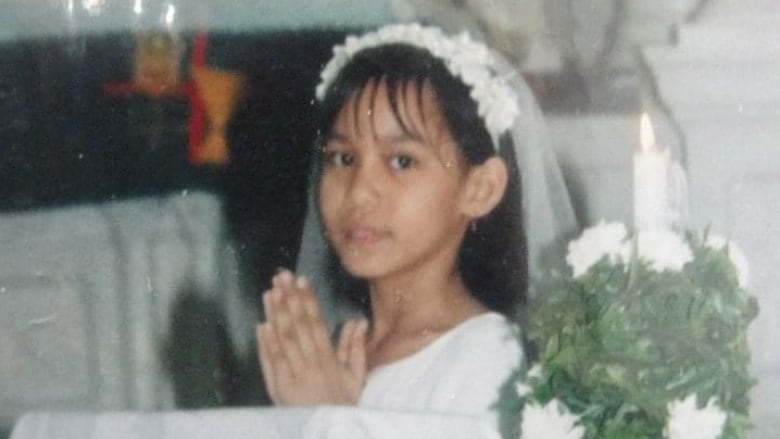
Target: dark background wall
[(64, 140)]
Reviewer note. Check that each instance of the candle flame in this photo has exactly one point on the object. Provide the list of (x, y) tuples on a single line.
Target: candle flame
[(646, 135)]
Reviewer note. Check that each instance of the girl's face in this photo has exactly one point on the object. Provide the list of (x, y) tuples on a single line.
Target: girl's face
[(391, 200)]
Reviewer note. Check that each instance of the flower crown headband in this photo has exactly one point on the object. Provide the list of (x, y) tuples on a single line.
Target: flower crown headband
[(465, 58)]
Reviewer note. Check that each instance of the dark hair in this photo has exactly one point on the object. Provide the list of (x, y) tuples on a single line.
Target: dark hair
[(492, 258)]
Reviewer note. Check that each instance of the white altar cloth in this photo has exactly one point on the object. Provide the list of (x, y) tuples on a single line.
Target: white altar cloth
[(306, 423)]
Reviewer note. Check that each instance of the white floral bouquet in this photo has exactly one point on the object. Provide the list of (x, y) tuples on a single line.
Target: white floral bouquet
[(642, 336)]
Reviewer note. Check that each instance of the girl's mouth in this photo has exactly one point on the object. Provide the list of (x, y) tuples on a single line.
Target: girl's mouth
[(360, 235)]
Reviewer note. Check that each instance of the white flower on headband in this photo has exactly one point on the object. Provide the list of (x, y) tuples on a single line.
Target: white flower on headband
[(465, 58)]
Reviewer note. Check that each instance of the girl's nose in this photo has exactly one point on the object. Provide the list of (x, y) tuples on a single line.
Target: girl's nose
[(363, 186)]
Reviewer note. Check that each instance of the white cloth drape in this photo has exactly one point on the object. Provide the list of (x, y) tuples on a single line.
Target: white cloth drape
[(315, 423)]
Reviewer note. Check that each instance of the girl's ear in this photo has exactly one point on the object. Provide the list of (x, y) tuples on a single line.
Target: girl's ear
[(485, 186)]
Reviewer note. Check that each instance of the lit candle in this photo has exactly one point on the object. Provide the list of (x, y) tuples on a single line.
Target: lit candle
[(651, 172)]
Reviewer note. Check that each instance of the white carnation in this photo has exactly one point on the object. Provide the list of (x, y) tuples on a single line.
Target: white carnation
[(473, 73), (736, 256), (686, 421), (352, 45), (551, 421), (495, 106), (663, 249), (604, 239), (535, 371), (522, 387)]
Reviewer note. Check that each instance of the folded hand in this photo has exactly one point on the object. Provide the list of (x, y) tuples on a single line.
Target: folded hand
[(299, 363)]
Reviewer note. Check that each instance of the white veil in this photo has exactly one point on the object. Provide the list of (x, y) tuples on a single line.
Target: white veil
[(549, 218)]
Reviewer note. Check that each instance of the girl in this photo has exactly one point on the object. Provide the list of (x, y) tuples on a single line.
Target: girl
[(419, 196)]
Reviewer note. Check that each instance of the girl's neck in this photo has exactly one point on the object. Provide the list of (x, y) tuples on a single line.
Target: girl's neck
[(421, 303), (410, 313)]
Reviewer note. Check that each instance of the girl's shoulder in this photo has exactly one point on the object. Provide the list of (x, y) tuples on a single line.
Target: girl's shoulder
[(489, 334), (488, 338)]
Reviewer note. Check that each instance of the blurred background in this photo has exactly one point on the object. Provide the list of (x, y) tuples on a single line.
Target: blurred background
[(154, 159)]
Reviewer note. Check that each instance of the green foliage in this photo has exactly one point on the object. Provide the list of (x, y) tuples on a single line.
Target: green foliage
[(622, 341)]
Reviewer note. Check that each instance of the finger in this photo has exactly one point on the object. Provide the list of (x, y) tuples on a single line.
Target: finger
[(302, 283), (284, 280), (345, 340), (283, 377), (301, 329), (267, 305), (277, 365), (357, 352), (317, 325), (266, 364), (283, 326)]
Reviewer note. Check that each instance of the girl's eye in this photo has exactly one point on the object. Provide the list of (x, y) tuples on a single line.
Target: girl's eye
[(338, 158), (401, 161)]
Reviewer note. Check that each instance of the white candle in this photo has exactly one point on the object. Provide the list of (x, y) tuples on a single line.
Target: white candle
[(651, 171)]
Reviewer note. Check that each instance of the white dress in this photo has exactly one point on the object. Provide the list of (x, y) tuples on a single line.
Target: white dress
[(461, 372)]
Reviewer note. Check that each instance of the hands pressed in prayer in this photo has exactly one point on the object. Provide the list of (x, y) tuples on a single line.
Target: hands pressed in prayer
[(300, 364)]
